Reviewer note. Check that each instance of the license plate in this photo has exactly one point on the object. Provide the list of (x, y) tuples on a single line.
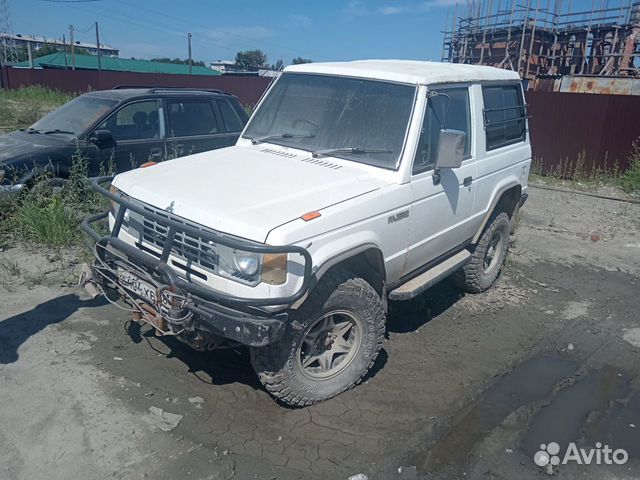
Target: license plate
[(140, 287)]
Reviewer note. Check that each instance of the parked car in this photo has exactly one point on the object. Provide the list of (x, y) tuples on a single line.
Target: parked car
[(353, 184), (120, 129)]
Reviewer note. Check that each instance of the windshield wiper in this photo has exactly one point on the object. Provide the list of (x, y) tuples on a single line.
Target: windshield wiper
[(353, 150), (30, 130), (257, 140), (57, 130)]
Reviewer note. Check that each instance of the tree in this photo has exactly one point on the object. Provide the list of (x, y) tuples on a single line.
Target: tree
[(251, 60), (299, 60), (178, 61), (47, 49), (278, 65)]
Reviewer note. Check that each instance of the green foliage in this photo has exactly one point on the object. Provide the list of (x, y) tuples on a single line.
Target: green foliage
[(22, 107), (251, 60), (45, 220), (179, 61), (300, 60), (279, 65), (630, 180), (37, 94)]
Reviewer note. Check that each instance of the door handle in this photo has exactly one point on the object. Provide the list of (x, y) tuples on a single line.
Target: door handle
[(467, 181)]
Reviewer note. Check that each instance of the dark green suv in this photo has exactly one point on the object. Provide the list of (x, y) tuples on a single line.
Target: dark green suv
[(120, 129)]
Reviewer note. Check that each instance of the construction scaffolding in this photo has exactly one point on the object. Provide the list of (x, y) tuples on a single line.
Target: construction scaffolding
[(542, 38)]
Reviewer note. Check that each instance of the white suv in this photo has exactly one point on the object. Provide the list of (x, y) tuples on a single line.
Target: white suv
[(352, 183)]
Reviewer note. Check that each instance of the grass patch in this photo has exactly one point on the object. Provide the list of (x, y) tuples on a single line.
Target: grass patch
[(579, 175), (629, 181), (47, 221), (23, 107)]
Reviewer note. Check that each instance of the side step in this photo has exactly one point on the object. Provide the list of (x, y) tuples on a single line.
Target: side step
[(419, 284)]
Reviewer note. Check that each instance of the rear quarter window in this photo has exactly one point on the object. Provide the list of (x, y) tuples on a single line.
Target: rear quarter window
[(505, 115)]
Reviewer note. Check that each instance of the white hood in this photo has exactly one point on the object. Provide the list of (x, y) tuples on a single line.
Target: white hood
[(246, 191)]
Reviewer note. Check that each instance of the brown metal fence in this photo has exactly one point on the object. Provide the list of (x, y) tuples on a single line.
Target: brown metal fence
[(566, 128), (573, 129), (247, 88)]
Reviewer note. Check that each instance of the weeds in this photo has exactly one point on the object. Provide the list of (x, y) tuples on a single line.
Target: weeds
[(629, 181), (582, 174), (47, 221), (24, 106)]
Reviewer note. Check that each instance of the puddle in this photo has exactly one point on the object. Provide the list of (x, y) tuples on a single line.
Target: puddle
[(531, 381), (574, 412)]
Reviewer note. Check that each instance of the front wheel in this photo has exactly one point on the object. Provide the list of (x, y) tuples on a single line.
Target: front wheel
[(331, 343)]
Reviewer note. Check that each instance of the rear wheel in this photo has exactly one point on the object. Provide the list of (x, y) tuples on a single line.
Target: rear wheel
[(340, 330), (488, 255)]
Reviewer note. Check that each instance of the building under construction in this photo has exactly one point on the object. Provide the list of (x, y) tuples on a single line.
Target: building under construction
[(541, 38)]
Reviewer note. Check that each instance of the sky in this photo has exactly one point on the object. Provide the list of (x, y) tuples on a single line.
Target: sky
[(320, 30), (326, 30)]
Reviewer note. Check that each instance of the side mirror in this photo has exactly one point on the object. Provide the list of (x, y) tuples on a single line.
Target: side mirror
[(102, 138), (450, 148)]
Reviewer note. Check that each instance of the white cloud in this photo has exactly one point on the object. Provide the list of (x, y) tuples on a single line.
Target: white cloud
[(359, 9)]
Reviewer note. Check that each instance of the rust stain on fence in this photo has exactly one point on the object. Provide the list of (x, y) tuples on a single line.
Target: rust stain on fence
[(600, 128)]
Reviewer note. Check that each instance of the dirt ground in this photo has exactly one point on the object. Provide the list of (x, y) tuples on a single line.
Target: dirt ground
[(466, 386)]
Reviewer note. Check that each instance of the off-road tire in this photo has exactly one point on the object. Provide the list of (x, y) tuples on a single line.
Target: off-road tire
[(472, 277), (277, 365)]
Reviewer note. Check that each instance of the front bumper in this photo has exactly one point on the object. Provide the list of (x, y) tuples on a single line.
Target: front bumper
[(10, 190), (182, 306)]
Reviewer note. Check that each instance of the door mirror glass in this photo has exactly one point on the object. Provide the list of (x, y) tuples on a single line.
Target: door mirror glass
[(450, 151), (102, 138)]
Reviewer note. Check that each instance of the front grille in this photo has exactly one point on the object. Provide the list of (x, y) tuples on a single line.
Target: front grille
[(192, 249)]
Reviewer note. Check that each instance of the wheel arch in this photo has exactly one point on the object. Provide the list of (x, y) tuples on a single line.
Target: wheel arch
[(365, 261), (505, 197)]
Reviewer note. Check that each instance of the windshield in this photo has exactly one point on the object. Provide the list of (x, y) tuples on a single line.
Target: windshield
[(75, 116), (320, 112)]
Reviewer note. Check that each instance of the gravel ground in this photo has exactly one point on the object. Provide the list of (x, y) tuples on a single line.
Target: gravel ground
[(466, 386)]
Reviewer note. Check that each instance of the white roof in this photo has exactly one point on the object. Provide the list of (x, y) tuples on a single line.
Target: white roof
[(408, 71)]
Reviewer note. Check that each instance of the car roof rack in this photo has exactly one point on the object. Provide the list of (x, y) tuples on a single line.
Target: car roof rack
[(156, 89)]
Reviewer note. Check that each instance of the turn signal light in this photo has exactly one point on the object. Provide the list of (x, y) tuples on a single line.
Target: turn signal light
[(148, 164), (310, 216), (274, 268)]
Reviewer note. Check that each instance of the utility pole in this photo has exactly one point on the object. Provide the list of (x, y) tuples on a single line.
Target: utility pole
[(189, 42), (98, 47), (73, 53)]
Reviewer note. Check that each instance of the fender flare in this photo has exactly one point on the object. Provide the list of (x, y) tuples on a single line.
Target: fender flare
[(494, 202), (321, 269)]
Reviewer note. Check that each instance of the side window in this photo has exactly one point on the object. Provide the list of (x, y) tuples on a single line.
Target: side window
[(191, 117), (230, 116), (504, 115), (136, 121), (458, 117)]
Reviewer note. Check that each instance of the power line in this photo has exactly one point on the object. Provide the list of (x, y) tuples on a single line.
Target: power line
[(220, 30)]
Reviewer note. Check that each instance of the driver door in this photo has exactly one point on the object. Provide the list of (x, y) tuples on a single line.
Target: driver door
[(138, 132), (441, 210)]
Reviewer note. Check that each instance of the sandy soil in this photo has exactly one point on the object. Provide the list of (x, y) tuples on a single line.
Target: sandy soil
[(465, 386)]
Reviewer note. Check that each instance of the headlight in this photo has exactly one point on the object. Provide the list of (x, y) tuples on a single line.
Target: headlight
[(239, 265), (251, 268), (246, 263)]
